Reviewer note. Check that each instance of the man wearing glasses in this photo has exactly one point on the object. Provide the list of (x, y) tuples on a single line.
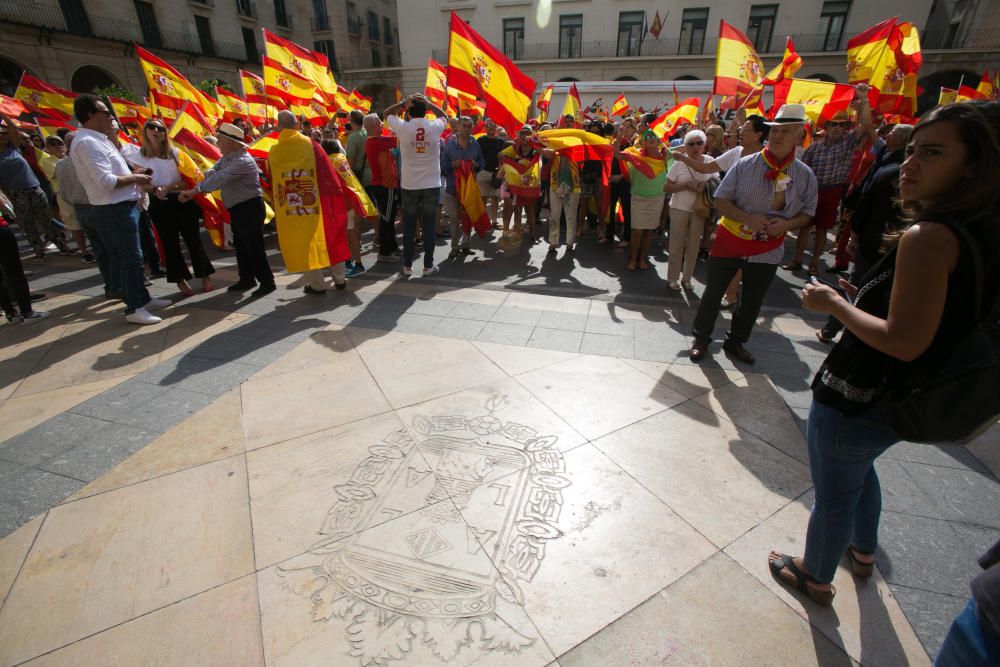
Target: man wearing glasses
[(830, 160), (114, 193)]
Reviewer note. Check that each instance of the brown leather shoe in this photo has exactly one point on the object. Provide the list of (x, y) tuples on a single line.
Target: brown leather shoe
[(736, 349), (698, 350)]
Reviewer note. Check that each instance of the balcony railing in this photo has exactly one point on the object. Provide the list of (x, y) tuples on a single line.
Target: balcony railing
[(112, 29), (203, 3), (319, 23)]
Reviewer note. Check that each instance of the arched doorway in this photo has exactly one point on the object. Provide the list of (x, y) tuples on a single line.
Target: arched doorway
[(687, 77), (932, 84), (567, 79), (626, 78), (10, 76), (88, 77)]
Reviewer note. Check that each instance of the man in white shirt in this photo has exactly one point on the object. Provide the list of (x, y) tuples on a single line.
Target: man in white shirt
[(420, 173), (114, 192)]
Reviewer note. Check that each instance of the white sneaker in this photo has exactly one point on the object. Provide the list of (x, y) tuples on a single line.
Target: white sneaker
[(431, 270), (407, 271), (142, 316), (157, 303), (34, 316)]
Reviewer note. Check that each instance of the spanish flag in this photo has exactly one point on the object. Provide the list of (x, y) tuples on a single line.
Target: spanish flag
[(821, 99), (947, 96), (310, 65), (650, 167), (738, 69), (786, 69), (129, 112), (887, 57), (359, 101), (580, 145), (45, 98), (967, 94), (285, 85), (668, 121), (399, 94), (253, 87), (470, 200), (522, 174), (436, 85), (49, 126), (357, 199), (865, 52), (11, 106), (309, 202), (543, 103), (572, 106), (170, 90), (656, 26), (191, 118), (195, 155), (620, 106), (233, 106), (476, 67), (985, 87)]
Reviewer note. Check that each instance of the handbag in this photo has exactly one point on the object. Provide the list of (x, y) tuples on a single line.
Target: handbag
[(703, 201), (951, 393)]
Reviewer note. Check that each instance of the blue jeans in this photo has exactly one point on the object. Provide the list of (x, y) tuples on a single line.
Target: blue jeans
[(969, 643), (91, 225), (422, 204), (118, 225), (848, 502)]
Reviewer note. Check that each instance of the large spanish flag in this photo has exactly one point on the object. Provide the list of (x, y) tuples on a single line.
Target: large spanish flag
[(436, 84), (786, 69), (865, 52), (45, 98), (887, 57), (821, 99), (285, 85), (620, 106), (650, 167), (310, 65), (470, 199), (580, 145), (476, 67), (233, 106), (522, 174), (738, 69), (170, 90), (667, 122), (357, 199), (195, 156), (544, 100), (309, 204)]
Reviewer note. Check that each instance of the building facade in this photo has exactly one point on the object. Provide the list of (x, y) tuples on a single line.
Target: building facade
[(600, 40), (80, 44)]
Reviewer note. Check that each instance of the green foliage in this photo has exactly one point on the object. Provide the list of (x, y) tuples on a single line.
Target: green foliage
[(207, 86), (115, 90)]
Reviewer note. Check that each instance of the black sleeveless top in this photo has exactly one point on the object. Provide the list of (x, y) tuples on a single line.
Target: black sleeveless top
[(855, 375)]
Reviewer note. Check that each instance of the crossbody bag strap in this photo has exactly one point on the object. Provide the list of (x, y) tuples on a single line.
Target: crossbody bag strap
[(978, 272)]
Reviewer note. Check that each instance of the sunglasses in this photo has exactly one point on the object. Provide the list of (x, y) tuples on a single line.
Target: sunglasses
[(838, 123), (694, 143), (156, 128)]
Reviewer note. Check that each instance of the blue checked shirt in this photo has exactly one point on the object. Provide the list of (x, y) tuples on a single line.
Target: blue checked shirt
[(831, 162)]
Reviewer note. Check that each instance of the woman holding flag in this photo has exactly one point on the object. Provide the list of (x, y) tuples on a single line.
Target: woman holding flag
[(647, 171)]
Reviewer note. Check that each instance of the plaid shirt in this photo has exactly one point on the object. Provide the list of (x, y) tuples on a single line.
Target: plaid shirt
[(831, 161)]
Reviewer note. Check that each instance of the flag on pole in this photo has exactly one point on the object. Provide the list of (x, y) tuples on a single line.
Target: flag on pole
[(667, 123), (657, 25), (620, 106), (285, 85), (436, 84), (887, 58), (476, 67), (128, 112), (821, 99), (706, 112), (572, 106), (985, 87), (543, 103), (191, 118), (738, 68), (947, 96), (233, 106), (253, 87), (788, 66), (677, 98), (310, 65), (399, 95), (45, 98), (170, 90)]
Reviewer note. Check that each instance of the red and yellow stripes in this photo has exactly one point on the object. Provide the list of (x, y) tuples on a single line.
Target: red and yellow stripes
[(44, 98), (738, 68)]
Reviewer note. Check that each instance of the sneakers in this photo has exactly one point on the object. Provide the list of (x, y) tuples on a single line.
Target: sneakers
[(394, 257), (39, 296), (356, 269), (430, 270), (142, 316), (88, 258), (154, 304), (146, 281), (34, 316), (407, 271)]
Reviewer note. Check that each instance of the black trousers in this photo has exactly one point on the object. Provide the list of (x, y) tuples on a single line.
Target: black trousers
[(13, 284), (246, 219), (621, 192), (385, 202), (756, 279), (150, 254), (174, 220)]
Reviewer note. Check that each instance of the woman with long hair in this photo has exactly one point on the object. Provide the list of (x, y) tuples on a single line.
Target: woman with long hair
[(172, 218), (918, 297)]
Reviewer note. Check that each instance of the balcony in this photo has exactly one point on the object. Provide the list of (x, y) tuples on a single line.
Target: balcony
[(50, 19), (246, 9), (202, 3), (320, 23), (354, 26)]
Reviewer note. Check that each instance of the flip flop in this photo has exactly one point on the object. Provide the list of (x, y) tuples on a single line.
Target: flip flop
[(822, 598), (792, 266), (860, 568)]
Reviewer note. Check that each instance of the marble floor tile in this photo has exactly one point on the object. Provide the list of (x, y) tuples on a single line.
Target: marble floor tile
[(712, 616), (680, 453), (14, 369), (183, 336), (597, 395), (13, 550), (865, 619), (218, 627), (77, 365), (753, 404), (215, 432), (328, 485), (410, 368), (417, 590), (19, 413), (986, 448), (516, 360), (560, 304), (104, 560), (321, 347), (290, 405), (628, 311), (691, 381), (578, 533)]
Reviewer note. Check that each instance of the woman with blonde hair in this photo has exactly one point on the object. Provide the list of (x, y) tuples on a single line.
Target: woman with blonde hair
[(172, 218)]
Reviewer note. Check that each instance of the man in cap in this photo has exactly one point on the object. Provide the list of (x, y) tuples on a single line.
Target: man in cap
[(761, 198), (830, 160), (237, 177)]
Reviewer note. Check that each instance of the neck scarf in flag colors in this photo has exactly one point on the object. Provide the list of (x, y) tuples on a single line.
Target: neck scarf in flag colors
[(775, 167)]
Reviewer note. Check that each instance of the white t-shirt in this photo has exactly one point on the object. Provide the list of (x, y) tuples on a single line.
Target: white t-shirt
[(681, 173), (165, 171), (728, 160), (419, 151)]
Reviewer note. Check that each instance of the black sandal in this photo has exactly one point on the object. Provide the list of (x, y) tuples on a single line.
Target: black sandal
[(822, 598), (859, 567)]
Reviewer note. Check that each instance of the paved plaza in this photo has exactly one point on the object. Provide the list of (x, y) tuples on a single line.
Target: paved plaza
[(510, 463)]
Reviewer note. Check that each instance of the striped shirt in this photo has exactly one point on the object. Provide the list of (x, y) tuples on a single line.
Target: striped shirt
[(236, 175), (831, 161)]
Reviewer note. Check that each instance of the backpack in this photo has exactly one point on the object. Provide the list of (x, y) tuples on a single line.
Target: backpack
[(951, 394)]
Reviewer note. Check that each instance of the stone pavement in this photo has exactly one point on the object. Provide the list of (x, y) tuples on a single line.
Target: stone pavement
[(526, 471)]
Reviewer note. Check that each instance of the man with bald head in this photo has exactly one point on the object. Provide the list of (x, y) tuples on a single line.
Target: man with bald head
[(383, 184)]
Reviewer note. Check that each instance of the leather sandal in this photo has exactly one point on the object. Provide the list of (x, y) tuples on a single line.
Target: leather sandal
[(860, 568), (802, 581), (792, 266)]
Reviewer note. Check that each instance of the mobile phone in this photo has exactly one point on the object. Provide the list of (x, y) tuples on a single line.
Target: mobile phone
[(816, 280)]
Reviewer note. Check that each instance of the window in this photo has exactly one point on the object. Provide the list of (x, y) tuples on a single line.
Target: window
[(353, 22), (761, 26), (630, 33), (387, 30), (570, 34), (831, 24), (205, 35), (376, 58), (147, 23), (325, 46), (513, 38), (250, 42), (373, 33), (246, 8), (75, 16), (281, 14), (693, 25)]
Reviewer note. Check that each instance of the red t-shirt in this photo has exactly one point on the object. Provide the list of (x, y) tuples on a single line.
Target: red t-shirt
[(381, 162)]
